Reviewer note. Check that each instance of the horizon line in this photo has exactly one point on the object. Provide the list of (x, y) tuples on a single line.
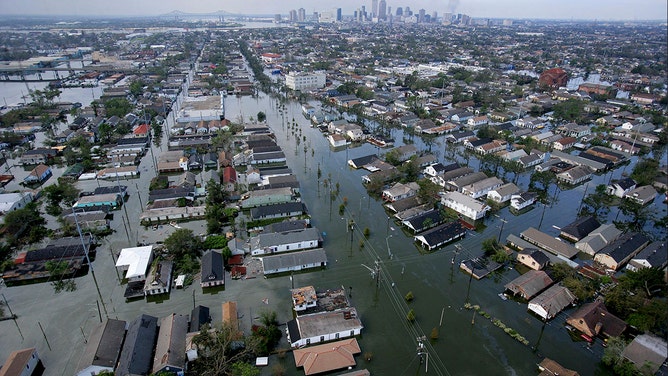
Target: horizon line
[(176, 12)]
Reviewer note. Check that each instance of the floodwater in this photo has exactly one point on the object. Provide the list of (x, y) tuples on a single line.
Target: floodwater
[(465, 345)]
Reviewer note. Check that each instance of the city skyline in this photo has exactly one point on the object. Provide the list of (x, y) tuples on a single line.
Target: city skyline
[(602, 10)]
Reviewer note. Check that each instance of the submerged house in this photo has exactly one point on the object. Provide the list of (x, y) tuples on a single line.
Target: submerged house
[(552, 301), (529, 284), (593, 319)]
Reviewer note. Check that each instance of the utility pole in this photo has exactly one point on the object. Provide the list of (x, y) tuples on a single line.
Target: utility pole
[(389, 253), (422, 352), (90, 265), (503, 222)]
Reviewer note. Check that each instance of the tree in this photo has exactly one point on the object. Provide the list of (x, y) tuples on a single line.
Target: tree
[(597, 203), (267, 335), (25, 224), (428, 191), (216, 353), (104, 132), (183, 247), (570, 110), (261, 117), (117, 107), (645, 171)]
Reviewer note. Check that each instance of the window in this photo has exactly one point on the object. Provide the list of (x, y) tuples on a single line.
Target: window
[(322, 338), (308, 341), (336, 336)]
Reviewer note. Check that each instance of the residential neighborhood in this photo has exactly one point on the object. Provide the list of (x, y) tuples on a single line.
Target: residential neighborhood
[(290, 194)]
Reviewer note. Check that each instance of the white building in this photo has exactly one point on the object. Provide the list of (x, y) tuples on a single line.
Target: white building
[(14, 201), (324, 326), (464, 205), (276, 242), (137, 260), (305, 81)]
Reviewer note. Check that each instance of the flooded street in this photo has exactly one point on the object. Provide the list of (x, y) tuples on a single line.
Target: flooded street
[(465, 346)]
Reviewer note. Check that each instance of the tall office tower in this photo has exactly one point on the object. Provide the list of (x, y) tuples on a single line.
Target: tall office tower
[(388, 13), (421, 15), (301, 17), (363, 15), (277, 18), (339, 15), (382, 10), (400, 11), (374, 8), (407, 11), (434, 16), (447, 18), (293, 16)]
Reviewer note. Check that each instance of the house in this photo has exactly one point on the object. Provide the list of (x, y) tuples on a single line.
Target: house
[(159, 280), (491, 147), (575, 175), (23, 362), (619, 252), (598, 239), (199, 316), (304, 298), (522, 200), (404, 153), (647, 352), (14, 201), (276, 242), (294, 261), (460, 182), (621, 188), (424, 221), (137, 353), (324, 326), (441, 235), (652, 256), (529, 284), (170, 349), (482, 187), (110, 200), (548, 243), (533, 258), (230, 314), (477, 121), (512, 156), (288, 209), (38, 156), (137, 261), (266, 197), (328, 357), (460, 137), (438, 169), (579, 228), (141, 130), (642, 195), (551, 301), (531, 160), (337, 140), (593, 319), (625, 147), (549, 367), (400, 191), (464, 205), (213, 272), (564, 143), (103, 348), (503, 193), (39, 174)]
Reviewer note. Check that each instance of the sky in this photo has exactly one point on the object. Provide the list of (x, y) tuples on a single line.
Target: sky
[(602, 10)]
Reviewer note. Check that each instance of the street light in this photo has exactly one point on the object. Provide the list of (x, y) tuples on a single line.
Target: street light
[(387, 243)]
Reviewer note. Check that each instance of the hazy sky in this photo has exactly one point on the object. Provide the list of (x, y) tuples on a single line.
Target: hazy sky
[(554, 9)]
